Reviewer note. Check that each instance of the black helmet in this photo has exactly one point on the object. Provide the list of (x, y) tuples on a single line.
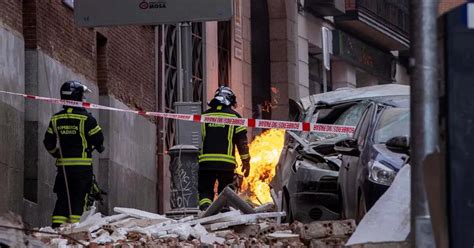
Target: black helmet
[(73, 90), (223, 96)]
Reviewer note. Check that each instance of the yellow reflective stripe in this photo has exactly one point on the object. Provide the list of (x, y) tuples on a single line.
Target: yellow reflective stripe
[(244, 156), (86, 201), (203, 135), (216, 155), (50, 130), (74, 164), (74, 218), (230, 144), (53, 121), (53, 150), (59, 217), (240, 129), (219, 114), (69, 116), (205, 201), (74, 161), (83, 137), (94, 130), (217, 158)]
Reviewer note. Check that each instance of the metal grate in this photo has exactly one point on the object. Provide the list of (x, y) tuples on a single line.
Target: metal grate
[(171, 72)]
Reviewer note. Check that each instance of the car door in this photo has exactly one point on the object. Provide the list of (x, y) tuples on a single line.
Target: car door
[(348, 172)]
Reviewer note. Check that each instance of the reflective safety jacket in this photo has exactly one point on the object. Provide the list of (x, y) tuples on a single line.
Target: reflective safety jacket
[(219, 141), (78, 133)]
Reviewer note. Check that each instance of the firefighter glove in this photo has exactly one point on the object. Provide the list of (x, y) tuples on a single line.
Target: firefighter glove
[(100, 149), (246, 167)]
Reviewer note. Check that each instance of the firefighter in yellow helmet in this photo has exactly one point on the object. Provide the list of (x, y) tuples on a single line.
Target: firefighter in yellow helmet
[(72, 135), (217, 157)]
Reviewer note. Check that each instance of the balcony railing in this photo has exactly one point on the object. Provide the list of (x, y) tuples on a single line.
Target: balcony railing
[(393, 13)]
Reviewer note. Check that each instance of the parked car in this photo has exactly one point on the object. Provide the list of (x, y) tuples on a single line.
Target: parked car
[(308, 168), (370, 159)]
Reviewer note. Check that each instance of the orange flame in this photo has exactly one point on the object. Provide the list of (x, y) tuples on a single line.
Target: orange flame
[(264, 151)]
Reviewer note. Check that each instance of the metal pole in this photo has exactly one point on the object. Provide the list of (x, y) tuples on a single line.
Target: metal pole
[(325, 80), (424, 113), (186, 52)]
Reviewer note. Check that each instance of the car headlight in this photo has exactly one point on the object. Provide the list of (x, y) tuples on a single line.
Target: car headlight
[(381, 174)]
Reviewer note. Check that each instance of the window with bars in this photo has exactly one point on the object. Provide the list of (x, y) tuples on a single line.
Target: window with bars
[(171, 73), (224, 52)]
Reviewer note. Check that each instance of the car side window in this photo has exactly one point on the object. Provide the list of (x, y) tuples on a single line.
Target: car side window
[(363, 126)]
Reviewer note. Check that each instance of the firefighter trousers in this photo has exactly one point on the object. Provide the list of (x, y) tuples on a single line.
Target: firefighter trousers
[(79, 179), (207, 179)]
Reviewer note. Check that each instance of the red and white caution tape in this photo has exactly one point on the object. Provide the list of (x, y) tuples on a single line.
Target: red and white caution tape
[(254, 123)]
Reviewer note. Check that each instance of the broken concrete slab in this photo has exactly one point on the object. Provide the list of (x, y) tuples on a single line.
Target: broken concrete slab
[(289, 237), (199, 230), (248, 230), (214, 218), (185, 231), (81, 235), (267, 207), (210, 239), (389, 219), (140, 214), (324, 229), (114, 218), (244, 219), (329, 242), (228, 198)]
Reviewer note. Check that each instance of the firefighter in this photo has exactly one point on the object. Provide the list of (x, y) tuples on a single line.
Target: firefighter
[(72, 135), (217, 157)]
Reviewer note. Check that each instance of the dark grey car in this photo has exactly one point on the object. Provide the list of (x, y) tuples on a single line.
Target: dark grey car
[(308, 169), (368, 167)]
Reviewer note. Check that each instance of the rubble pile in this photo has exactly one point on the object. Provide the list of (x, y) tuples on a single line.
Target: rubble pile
[(228, 222), (135, 228)]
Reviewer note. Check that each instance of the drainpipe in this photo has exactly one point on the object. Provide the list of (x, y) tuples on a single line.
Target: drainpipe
[(424, 113)]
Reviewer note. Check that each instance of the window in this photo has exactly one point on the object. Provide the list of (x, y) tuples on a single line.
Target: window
[(224, 52), (394, 122)]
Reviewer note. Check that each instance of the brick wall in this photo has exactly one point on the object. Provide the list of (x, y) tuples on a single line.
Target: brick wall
[(446, 5), (10, 14), (129, 60)]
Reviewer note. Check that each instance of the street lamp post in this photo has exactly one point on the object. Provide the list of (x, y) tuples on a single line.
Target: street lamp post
[(424, 113)]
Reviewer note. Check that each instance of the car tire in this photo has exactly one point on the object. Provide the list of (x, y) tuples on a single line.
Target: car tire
[(286, 206), (361, 208)]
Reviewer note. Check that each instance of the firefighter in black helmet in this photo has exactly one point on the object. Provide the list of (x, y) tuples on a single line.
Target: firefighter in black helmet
[(217, 158), (72, 135)]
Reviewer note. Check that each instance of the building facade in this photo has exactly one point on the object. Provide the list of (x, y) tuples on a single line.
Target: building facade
[(40, 49), (272, 53)]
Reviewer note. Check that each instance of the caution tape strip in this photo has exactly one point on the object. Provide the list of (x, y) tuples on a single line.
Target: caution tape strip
[(254, 123)]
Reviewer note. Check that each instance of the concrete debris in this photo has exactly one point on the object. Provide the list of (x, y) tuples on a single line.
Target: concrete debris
[(267, 207), (228, 198), (137, 228), (139, 213), (211, 239), (393, 208), (324, 229)]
